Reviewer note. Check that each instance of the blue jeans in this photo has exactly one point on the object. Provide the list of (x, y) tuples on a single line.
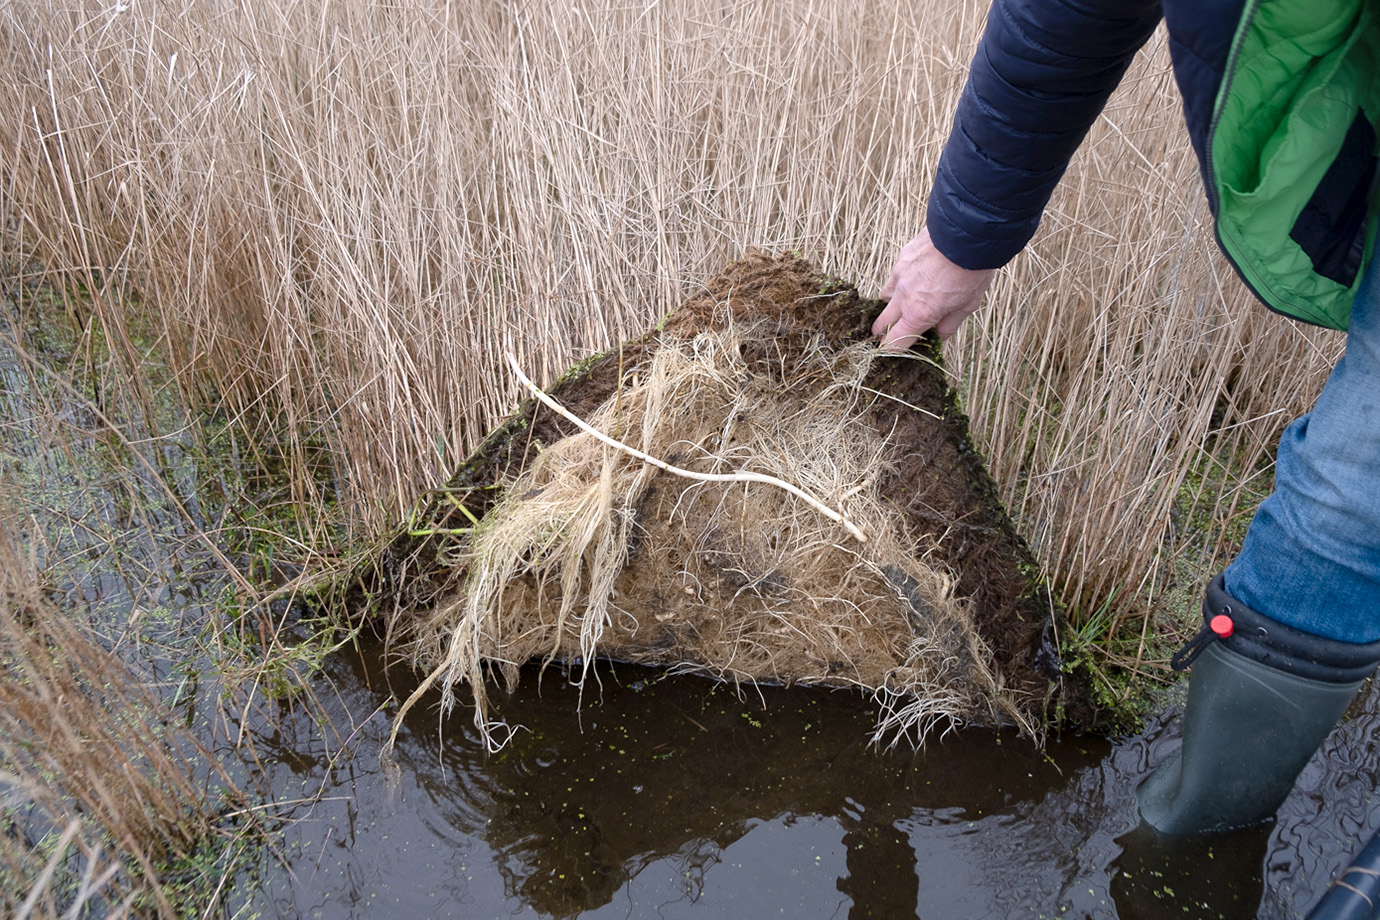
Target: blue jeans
[(1311, 558)]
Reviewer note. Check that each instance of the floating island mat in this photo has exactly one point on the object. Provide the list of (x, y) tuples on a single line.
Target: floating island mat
[(753, 491)]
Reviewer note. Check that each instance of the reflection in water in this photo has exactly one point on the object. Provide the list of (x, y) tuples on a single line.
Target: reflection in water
[(664, 768), (1333, 811), (675, 797), (656, 792), (1213, 875)]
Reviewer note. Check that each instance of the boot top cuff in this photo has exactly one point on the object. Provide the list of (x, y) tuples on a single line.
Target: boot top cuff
[(1273, 644)]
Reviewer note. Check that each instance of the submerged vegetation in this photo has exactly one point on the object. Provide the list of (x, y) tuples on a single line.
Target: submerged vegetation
[(109, 805), (314, 229), (139, 630)]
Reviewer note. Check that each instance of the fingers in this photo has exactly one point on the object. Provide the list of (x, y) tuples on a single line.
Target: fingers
[(927, 291), (953, 321), (949, 325), (905, 319), (897, 327), (889, 288), (889, 315), (910, 312), (901, 334), (896, 343)]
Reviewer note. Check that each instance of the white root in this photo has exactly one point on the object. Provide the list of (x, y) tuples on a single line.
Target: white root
[(741, 476)]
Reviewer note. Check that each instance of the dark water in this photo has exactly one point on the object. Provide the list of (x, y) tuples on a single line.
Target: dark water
[(677, 797), (646, 795)]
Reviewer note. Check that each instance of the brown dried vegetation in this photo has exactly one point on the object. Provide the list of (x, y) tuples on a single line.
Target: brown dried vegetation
[(336, 214)]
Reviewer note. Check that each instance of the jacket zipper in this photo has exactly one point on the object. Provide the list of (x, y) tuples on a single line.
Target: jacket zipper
[(1228, 75)]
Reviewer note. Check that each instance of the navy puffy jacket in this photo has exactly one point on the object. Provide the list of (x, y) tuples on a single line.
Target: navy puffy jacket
[(1041, 76)]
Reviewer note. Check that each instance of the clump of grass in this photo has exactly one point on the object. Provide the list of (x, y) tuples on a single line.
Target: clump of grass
[(335, 214), (108, 798), (105, 800)]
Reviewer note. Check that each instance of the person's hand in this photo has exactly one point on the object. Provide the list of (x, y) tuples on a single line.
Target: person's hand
[(927, 291)]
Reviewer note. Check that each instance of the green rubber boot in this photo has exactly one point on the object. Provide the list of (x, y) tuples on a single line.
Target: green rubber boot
[(1262, 696)]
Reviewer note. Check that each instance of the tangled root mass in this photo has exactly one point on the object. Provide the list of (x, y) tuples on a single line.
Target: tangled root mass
[(550, 543)]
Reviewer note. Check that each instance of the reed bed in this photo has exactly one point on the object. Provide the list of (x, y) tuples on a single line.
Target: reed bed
[(336, 215)]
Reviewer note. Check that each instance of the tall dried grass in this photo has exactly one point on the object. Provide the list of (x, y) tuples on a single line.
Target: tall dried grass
[(338, 212), (101, 797)]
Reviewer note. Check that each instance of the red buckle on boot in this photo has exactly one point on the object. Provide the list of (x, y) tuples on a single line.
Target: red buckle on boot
[(1219, 627)]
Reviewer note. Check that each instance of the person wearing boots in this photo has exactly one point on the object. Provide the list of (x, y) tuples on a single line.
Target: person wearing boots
[(1282, 102)]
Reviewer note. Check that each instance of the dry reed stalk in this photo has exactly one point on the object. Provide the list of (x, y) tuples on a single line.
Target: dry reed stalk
[(338, 212), (739, 476), (86, 756)]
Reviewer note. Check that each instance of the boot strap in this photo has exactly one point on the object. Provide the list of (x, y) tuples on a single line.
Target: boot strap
[(1219, 627)]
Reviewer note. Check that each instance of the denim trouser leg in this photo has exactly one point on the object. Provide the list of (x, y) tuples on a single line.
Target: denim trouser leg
[(1311, 558)]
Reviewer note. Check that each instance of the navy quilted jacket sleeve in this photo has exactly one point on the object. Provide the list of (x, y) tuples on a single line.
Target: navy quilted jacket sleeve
[(1041, 76)]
